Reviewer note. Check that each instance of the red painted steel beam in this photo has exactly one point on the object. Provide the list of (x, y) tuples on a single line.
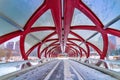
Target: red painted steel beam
[(43, 8), (50, 35), (105, 45), (9, 36), (76, 35), (94, 47), (52, 44), (74, 44), (39, 44), (112, 32), (74, 48), (82, 40), (84, 27), (69, 51), (82, 7), (51, 50), (22, 47), (68, 14), (75, 51), (54, 39), (44, 28), (90, 44), (56, 10), (29, 24)]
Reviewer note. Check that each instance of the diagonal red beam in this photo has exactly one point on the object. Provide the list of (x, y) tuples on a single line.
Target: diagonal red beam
[(74, 44), (54, 39), (90, 44), (39, 44), (41, 29), (82, 7), (68, 14), (52, 44), (79, 37), (43, 8), (50, 35), (76, 52), (22, 47), (56, 10), (94, 47), (82, 40), (105, 45), (50, 51), (10, 36), (84, 27), (112, 32)]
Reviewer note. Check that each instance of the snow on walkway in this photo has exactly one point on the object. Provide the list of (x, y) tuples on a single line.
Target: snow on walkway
[(69, 73), (67, 70), (39, 73), (89, 73)]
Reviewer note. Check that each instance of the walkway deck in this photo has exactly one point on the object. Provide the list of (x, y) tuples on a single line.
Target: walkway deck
[(64, 70)]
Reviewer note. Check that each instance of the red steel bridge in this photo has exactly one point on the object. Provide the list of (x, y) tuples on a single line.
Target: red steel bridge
[(86, 31)]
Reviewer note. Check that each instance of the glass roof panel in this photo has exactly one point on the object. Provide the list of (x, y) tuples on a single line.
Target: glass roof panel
[(54, 36), (80, 19), (19, 10), (83, 46), (48, 43), (84, 33), (45, 20), (35, 37), (42, 47), (106, 10), (93, 51), (5, 27), (76, 42), (71, 36), (33, 53), (97, 41), (41, 34), (30, 41), (116, 25)]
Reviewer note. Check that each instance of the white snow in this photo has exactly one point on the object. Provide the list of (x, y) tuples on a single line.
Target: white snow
[(38, 73), (89, 73), (51, 72), (67, 73), (72, 71), (6, 70)]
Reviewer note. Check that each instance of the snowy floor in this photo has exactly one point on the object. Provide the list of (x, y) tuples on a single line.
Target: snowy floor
[(65, 70), (74, 75), (6, 70), (39, 73), (89, 73)]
